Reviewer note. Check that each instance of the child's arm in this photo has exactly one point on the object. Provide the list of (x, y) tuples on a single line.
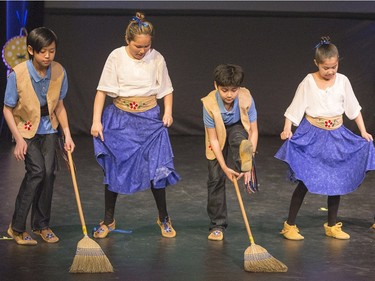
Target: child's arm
[(168, 103), (215, 146), (97, 127), (21, 145), (361, 126), (62, 116), (287, 131), (253, 135)]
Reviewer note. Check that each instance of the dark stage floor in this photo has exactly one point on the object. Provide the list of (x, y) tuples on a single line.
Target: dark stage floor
[(145, 255)]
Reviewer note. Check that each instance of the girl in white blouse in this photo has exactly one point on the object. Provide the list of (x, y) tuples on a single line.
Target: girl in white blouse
[(131, 142), (324, 157)]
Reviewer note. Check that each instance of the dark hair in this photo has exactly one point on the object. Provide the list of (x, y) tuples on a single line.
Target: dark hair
[(325, 50), (228, 75), (138, 26), (39, 38)]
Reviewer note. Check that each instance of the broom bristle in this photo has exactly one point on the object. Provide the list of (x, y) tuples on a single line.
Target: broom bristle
[(90, 258), (257, 259)]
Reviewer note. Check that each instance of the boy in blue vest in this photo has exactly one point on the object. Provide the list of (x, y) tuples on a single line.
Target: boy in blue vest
[(33, 109), (230, 120)]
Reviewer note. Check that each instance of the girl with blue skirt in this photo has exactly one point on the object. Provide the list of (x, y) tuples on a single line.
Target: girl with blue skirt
[(324, 157), (131, 143)]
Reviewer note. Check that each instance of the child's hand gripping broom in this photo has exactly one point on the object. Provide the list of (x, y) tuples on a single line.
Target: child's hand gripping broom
[(256, 258), (89, 257)]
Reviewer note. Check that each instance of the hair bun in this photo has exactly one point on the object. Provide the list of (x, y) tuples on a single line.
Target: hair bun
[(140, 16), (324, 40)]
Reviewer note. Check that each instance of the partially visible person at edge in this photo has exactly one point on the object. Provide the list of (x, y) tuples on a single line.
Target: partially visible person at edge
[(230, 120), (324, 157), (33, 109), (131, 143)]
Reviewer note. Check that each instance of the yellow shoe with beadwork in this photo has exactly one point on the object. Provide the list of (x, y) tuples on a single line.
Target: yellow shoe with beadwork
[(47, 235), (166, 227), (336, 231), (21, 238), (216, 235), (104, 230), (291, 232)]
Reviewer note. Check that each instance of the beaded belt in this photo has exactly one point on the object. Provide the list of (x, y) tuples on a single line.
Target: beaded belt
[(326, 123), (135, 104)]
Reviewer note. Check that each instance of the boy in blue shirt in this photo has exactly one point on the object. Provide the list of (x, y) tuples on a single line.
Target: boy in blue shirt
[(33, 109), (230, 120)]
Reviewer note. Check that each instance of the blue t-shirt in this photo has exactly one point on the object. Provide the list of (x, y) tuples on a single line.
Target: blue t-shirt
[(40, 85), (229, 117)]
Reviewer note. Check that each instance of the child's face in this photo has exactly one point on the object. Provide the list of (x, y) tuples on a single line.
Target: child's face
[(328, 68), (228, 93), (138, 47), (43, 58)]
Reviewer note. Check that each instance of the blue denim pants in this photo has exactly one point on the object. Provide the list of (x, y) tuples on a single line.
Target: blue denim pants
[(37, 186), (216, 200)]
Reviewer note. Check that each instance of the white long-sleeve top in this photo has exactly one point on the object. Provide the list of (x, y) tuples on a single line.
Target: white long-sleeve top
[(124, 76), (333, 101)]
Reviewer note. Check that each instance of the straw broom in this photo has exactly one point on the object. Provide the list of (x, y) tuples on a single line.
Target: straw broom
[(256, 258), (89, 257)]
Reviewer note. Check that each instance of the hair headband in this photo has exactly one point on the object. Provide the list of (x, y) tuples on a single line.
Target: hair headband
[(139, 22)]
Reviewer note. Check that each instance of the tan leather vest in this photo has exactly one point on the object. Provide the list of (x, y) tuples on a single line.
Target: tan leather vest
[(212, 107), (27, 111)]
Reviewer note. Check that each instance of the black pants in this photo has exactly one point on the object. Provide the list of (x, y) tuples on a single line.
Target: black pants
[(37, 186), (216, 200)]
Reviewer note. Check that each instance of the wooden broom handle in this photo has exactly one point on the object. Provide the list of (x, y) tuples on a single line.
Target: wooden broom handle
[(243, 210), (72, 172)]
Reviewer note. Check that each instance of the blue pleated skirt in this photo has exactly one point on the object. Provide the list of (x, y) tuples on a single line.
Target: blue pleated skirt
[(328, 162), (136, 151)]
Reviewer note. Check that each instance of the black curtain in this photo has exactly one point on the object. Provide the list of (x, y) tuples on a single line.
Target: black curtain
[(275, 50)]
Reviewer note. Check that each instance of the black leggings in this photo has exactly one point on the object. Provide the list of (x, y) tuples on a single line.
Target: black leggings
[(110, 198), (299, 193)]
